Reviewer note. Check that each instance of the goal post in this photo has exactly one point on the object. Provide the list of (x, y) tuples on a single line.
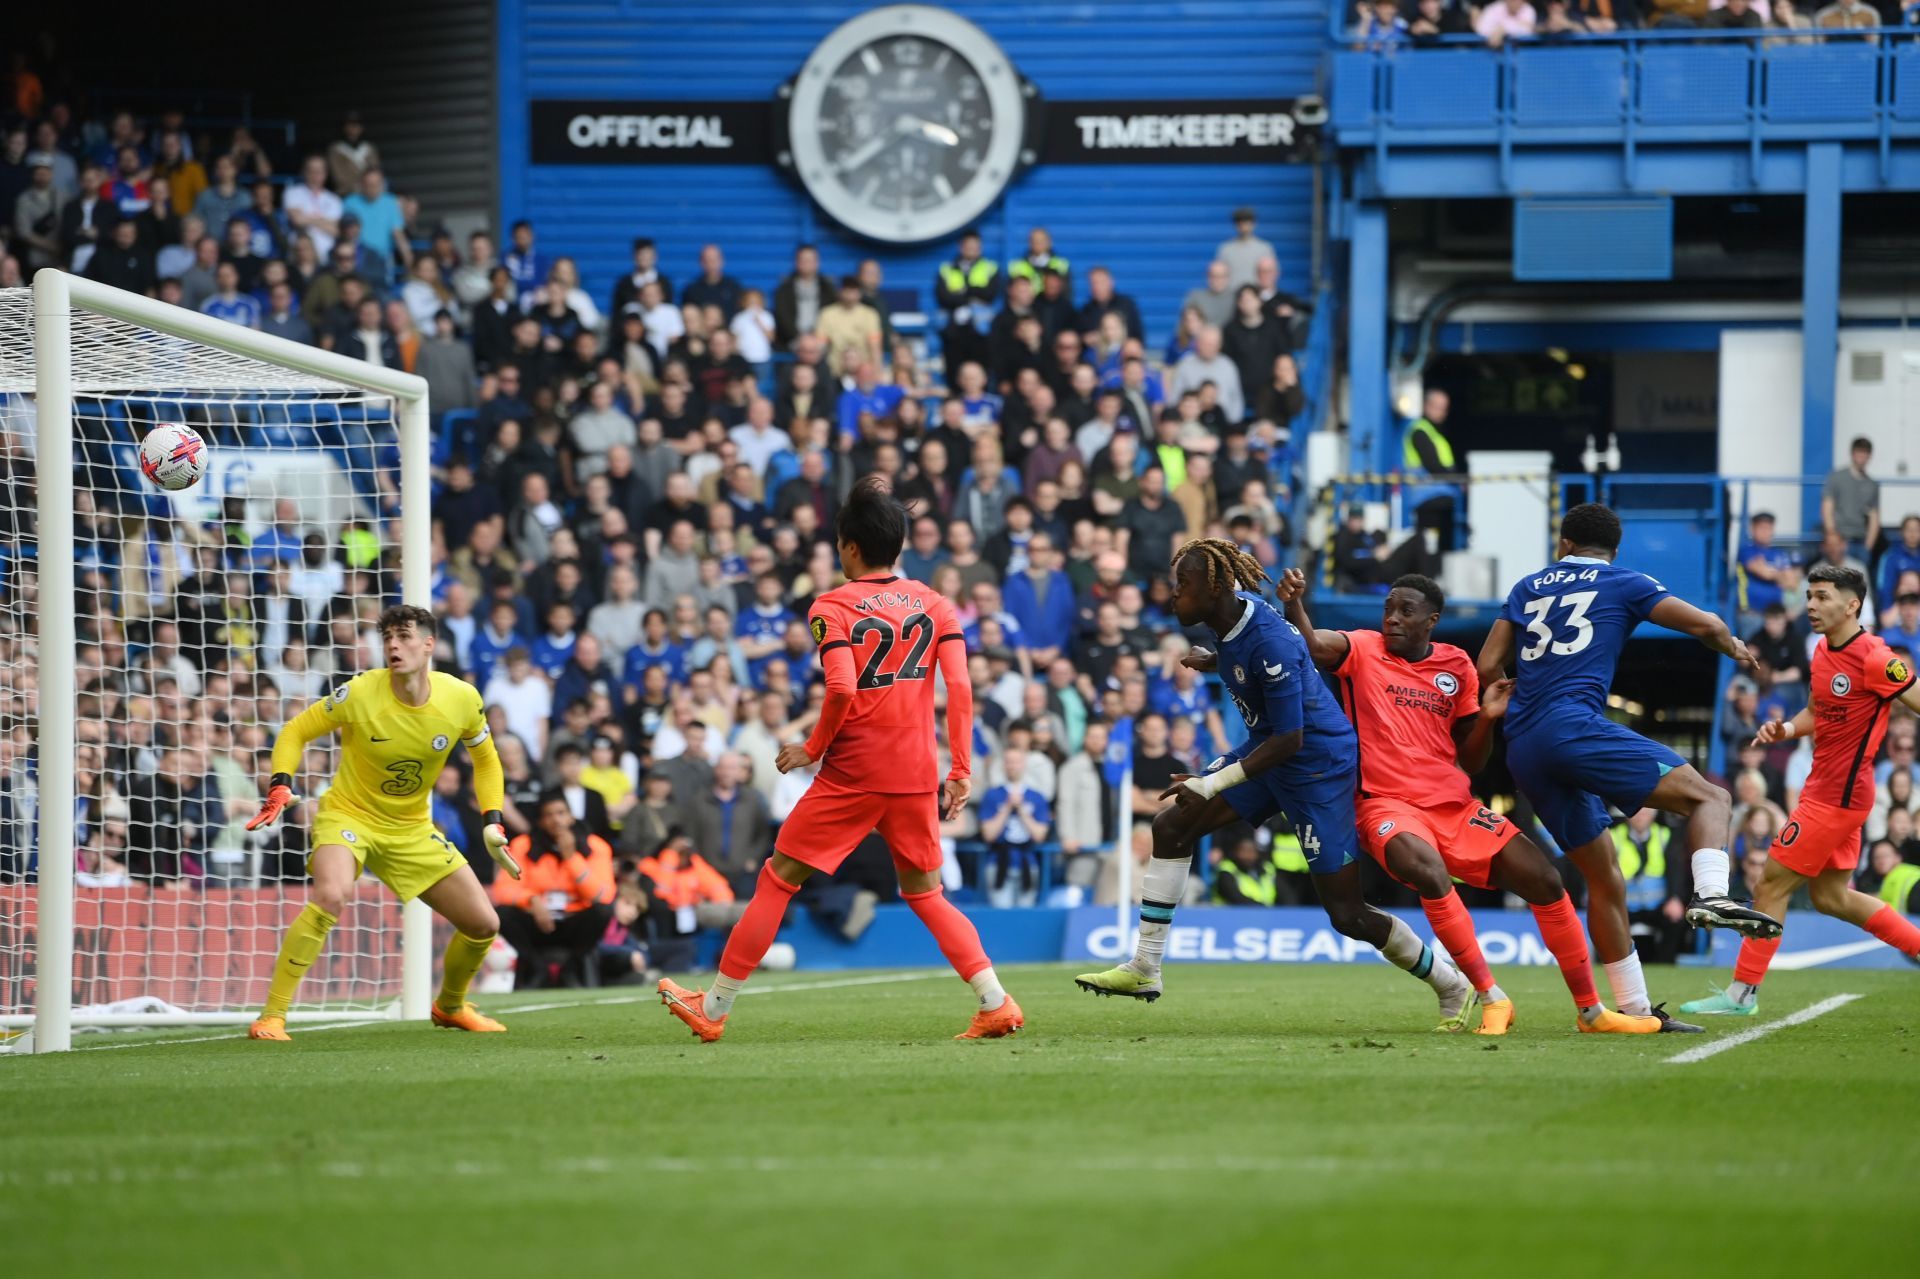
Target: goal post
[(334, 436)]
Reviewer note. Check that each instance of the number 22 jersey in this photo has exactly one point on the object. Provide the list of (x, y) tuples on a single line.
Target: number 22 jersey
[(1574, 617), (894, 627)]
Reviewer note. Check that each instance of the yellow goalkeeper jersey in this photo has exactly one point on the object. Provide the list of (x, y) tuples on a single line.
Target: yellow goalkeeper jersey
[(390, 752)]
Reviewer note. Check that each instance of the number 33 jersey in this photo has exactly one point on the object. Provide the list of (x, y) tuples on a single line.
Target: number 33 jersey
[(390, 752), (893, 627), (1574, 617)]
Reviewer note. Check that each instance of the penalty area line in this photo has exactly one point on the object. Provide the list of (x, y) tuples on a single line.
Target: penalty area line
[(1806, 1014)]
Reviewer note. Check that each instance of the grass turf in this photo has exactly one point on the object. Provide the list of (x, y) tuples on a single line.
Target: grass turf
[(1258, 1120)]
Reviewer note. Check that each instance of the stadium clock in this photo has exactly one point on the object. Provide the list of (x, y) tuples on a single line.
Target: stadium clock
[(906, 123)]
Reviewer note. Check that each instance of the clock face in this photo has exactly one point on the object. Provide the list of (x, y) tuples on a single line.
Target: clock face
[(906, 123)]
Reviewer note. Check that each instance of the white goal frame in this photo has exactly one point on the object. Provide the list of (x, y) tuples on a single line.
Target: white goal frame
[(56, 295)]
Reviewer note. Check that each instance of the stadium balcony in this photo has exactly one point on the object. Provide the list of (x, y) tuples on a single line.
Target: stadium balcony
[(1659, 110)]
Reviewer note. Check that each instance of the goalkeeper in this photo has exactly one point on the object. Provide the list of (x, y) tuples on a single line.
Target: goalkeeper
[(396, 728)]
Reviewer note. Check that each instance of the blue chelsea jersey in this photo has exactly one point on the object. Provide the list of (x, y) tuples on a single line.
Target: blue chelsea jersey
[(1574, 617), (1271, 679)]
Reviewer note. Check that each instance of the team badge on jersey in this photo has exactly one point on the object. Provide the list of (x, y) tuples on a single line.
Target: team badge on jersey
[(1842, 685), (439, 741), (349, 836), (819, 628), (1384, 828), (1239, 674), (339, 695), (1447, 684), (1897, 671)]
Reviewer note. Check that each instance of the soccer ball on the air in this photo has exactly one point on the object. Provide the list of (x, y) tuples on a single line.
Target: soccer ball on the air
[(173, 456)]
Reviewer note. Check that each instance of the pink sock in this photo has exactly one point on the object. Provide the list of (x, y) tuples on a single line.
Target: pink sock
[(748, 942), (1895, 929), (1560, 928), (958, 939), (1754, 958), (1454, 927)]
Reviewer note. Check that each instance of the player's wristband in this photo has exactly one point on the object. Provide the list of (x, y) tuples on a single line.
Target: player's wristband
[(1208, 785), (280, 779), (493, 817), (1786, 729)]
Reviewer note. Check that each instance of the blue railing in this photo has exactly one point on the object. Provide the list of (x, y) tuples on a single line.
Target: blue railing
[(1632, 87)]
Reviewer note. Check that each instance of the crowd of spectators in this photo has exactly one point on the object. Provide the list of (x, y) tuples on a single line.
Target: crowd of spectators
[(635, 491), (1387, 24)]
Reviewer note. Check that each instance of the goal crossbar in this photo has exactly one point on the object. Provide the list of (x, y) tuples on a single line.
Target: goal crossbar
[(56, 296)]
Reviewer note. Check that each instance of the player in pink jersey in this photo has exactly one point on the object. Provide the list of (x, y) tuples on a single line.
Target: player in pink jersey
[(1417, 710), (1856, 680)]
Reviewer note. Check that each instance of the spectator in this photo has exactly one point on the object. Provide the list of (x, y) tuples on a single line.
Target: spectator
[(1897, 795), (1244, 874), (713, 286), (1204, 364), (283, 320), (122, 263), (1150, 525), (849, 328), (1766, 573), (35, 216), (312, 209), (1254, 341), (1847, 15), (228, 302), (1734, 15), (87, 220), (351, 155), (1214, 303), (554, 914), (1850, 502), (524, 261), (1563, 21), (1014, 821), (1041, 599), (1782, 652), (1243, 253), (1787, 17), (1657, 884), (729, 821), (1503, 19), (186, 177), (965, 290), (223, 201), (1432, 20)]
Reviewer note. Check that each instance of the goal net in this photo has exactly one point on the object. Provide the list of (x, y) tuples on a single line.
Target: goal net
[(153, 643)]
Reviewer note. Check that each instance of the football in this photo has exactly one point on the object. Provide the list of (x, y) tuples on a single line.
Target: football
[(173, 456)]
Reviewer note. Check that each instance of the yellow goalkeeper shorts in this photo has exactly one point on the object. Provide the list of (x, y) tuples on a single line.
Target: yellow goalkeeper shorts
[(407, 859)]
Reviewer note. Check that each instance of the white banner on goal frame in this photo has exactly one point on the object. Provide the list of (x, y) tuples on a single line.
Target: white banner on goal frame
[(102, 345)]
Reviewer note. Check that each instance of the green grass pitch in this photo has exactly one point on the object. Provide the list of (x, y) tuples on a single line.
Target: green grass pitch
[(1297, 1121)]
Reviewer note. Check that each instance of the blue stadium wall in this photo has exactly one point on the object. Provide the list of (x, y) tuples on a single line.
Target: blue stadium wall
[(1155, 225)]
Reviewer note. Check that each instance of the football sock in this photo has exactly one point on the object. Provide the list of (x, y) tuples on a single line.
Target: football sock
[(463, 959), (1560, 928), (1160, 891), (720, 997), (748, 942), (1741, 992), (959, 941), (1405, 950), (1454, 928), (1629, 986), (1754, 958), (305, 936), (1710, 871), (1895, 929)]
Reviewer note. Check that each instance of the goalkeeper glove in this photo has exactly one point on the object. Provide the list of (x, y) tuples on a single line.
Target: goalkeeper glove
[(279, 795), (493, 831)]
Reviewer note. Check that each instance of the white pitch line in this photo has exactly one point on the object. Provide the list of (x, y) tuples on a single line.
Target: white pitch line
[(1808, 1013), (879, 979)]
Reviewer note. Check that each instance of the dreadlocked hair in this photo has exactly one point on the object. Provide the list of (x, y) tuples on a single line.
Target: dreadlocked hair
[(1227, 565)]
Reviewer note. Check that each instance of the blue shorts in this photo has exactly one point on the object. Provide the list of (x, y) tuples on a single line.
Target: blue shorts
[(1320, 812), (1573, 770)]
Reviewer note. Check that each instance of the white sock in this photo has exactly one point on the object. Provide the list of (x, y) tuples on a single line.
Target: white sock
[(1405, 950), (1741, 993), (987, 986), (720, 998), (1629, 985), (1711, 870), (1161, 889), (1492, 994)]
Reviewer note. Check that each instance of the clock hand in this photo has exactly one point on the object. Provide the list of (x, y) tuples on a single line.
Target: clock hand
[(860, 155), (932, 132)]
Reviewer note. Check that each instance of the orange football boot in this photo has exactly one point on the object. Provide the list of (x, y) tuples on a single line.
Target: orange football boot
[(995, 1024), (274, 1028), (690, 1007), (1610, 1022), (468, 1018), (1496, 1018)]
